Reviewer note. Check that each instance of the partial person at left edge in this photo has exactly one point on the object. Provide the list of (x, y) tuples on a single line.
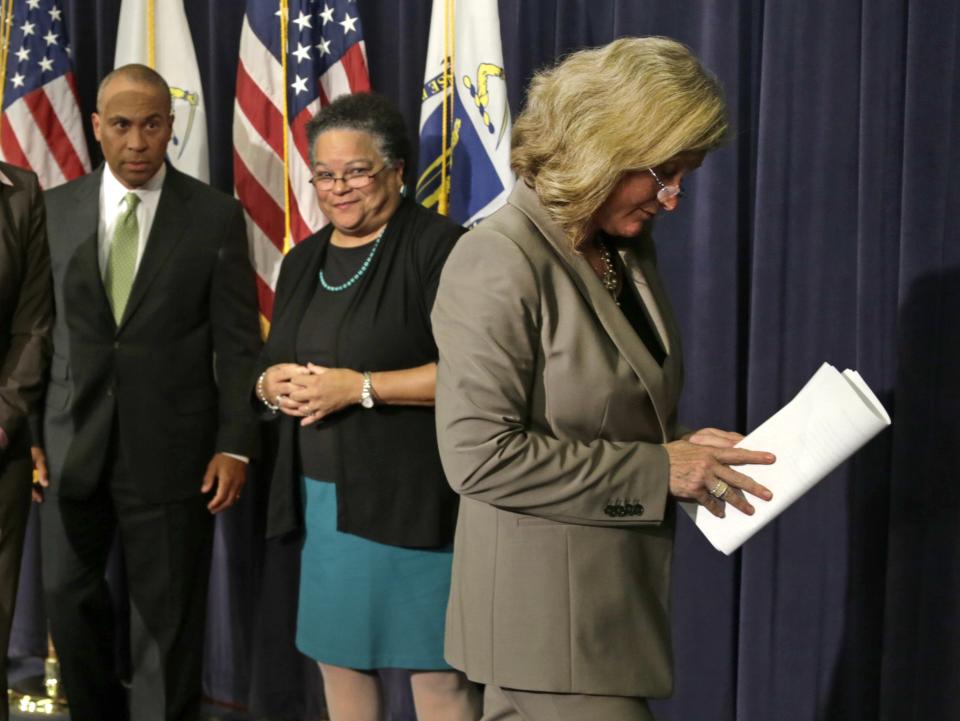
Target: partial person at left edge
[(146, 426), (26, 314)]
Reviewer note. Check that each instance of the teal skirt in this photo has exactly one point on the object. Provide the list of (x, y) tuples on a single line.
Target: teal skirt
[(367, 605)]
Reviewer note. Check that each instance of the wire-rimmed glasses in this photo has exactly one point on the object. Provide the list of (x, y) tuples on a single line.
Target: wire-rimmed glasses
[(355, 178), (668, 195)]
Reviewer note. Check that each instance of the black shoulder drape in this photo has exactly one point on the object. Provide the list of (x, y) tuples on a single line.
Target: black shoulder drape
[(821, 232)]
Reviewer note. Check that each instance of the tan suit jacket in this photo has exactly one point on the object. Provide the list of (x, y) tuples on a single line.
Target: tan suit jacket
[(550, 416)]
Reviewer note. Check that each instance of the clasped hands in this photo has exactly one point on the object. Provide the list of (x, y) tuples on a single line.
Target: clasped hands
[(700, 470), (311, 392)]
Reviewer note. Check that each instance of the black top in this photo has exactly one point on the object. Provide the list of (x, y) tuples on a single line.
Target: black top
[(321, 322), (636, 313), (390, 485), (632, 305)]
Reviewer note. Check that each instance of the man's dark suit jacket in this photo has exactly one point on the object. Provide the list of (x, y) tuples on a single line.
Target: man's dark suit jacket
[(176, 371), (26, 303)]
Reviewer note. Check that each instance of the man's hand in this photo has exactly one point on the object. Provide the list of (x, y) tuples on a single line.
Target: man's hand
[(228, 474), (41, 480)]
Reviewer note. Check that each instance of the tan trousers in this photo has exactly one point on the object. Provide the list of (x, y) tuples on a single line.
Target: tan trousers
[(504, 704)]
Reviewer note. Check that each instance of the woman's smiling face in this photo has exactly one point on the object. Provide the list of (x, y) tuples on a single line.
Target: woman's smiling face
[(355, 212)]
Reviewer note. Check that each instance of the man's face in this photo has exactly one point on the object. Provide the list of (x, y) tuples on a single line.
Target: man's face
[(133, 126)]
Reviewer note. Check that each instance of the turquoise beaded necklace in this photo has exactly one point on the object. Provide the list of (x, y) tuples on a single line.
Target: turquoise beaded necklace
[(358, 274)]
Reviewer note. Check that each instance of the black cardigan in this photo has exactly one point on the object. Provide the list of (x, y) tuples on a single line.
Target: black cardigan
[(391, 488)]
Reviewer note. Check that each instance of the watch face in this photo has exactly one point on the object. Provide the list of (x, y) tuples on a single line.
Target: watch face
[(367, 402)]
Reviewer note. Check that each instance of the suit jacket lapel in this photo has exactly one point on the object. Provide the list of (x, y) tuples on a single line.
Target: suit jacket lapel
[(169, 225), (634, 352), (85, 256), (644, 262)]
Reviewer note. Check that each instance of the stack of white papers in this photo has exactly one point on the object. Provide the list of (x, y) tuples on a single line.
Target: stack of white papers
[(828, 421)]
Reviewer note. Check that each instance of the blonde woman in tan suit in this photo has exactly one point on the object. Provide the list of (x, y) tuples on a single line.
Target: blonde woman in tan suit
[(559, 376)]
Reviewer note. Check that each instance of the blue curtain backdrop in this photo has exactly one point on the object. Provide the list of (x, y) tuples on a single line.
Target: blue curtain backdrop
[(822, 232)]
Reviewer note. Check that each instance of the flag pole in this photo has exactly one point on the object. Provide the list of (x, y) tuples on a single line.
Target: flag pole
[(7, 14), (445, 69), (449, 81), (151, 34), (287, 239)]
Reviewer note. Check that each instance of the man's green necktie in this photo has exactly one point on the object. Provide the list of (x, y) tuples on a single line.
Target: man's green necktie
[(122, 262)]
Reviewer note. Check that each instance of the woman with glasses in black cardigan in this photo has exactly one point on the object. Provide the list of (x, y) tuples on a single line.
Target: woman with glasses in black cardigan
[(348, 372)]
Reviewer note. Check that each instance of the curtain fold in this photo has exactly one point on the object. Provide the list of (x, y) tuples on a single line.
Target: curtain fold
[(921, 638), (822, 231)]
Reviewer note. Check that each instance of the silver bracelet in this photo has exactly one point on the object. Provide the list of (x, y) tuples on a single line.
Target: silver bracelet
[(263, 396)]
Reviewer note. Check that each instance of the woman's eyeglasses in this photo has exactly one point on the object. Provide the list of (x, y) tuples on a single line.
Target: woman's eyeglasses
[(355, 178), (668, 195)]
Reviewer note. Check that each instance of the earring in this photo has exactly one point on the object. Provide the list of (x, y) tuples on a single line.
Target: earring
[(403, 190)]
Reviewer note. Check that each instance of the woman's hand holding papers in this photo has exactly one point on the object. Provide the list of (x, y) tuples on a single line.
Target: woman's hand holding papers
[(700, 470)]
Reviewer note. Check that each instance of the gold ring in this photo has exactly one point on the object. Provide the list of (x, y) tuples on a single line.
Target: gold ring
[(719, 489)]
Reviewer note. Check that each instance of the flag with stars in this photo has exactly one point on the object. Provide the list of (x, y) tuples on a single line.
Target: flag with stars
[(41, 127), (325, 57)]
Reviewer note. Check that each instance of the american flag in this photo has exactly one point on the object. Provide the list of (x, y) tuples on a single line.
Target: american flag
[(41, 127), (326, 57)]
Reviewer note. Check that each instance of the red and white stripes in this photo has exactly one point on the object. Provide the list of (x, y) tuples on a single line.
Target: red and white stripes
[(258, 165), (43, 131)]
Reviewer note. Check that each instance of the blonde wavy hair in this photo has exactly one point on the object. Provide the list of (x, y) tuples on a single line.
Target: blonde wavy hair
[(603, 112)]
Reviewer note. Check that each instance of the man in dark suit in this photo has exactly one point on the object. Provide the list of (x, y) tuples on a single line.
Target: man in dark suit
[(26, 313), (147, 425)]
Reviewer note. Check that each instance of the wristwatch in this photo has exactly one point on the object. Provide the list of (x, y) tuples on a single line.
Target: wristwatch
[(366, 393)]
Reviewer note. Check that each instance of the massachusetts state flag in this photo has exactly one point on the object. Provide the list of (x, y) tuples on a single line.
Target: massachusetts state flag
[(464, 168), (40, 127), (324, 57), (159, 37)]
